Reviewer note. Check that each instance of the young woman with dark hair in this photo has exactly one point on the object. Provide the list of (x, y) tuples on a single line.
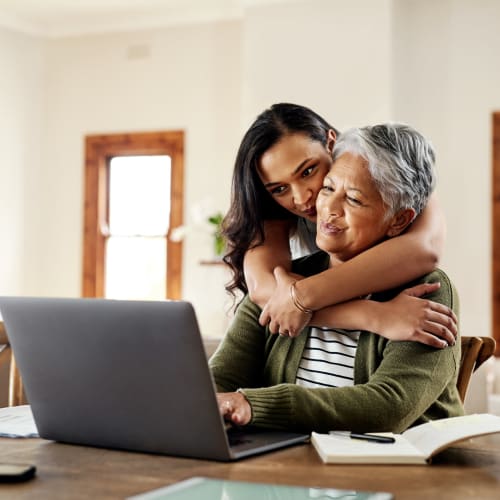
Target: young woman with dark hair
[(279, 170)]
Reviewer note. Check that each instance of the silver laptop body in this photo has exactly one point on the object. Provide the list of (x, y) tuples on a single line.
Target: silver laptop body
[(131, 375)]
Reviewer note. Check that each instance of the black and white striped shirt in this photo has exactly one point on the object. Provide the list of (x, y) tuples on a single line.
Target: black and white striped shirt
[(328, 358)]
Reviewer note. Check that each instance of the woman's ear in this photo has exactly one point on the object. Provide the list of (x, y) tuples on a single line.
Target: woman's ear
[(400, 221), (330, 140)]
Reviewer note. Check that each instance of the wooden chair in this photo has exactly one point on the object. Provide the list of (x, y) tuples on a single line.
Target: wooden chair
[(475, 351), (16, 391)]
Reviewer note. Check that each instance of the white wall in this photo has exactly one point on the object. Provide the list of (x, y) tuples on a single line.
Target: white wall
[(432, 64), (333, 56), (22, 100)]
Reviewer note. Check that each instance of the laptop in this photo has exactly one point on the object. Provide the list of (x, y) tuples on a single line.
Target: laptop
[(129, 375)]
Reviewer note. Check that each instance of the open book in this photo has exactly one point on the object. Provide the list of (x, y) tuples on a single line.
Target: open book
[(415, 446)]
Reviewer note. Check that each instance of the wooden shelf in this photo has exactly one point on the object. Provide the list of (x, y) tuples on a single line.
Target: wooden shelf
[(212, 262)]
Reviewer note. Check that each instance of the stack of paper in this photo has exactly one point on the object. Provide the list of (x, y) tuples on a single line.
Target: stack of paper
[(17, 422)]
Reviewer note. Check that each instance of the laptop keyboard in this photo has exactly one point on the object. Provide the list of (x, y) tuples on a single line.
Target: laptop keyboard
[(237, 436)]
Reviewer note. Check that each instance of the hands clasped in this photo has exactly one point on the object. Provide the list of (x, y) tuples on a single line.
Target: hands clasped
[(406, 317), (280, 312)]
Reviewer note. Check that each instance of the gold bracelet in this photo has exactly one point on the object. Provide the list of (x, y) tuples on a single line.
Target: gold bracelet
[(296, 301)]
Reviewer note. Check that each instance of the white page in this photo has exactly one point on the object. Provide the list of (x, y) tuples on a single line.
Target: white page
[(17, 422), (344, 449), (438, 434)]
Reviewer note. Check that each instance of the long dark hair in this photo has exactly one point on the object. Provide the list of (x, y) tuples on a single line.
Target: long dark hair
[(251, 204)]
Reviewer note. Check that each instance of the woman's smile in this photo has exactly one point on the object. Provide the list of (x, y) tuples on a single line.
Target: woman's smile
[(330, 229), (351, 212)]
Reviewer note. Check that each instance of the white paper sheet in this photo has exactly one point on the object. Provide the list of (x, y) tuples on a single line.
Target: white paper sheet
[(17, 422)]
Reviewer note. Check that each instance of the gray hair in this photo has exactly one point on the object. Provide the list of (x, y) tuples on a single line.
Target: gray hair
[(400, 161)]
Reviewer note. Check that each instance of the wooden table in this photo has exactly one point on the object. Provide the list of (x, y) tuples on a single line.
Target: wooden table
[(469, 470)]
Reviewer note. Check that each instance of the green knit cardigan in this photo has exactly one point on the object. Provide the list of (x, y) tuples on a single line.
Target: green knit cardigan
[(396, 384)]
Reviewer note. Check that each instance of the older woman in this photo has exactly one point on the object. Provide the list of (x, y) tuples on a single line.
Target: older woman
[(326, 378)]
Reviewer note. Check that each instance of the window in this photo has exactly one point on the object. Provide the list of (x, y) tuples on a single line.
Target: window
[(133, 199)]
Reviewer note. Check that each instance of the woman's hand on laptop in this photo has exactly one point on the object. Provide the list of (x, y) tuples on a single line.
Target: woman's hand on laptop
[(234, 407)]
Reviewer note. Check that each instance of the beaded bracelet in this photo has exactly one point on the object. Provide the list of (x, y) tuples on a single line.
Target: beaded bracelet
[(296, 301)]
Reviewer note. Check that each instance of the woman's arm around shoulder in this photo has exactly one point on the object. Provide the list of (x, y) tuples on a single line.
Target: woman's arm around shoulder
[(260, 261), (385, 266)]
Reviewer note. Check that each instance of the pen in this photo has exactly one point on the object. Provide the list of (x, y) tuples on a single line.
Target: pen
[(372, 437)]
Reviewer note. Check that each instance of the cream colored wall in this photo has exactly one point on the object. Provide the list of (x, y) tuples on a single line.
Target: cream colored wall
[(431, 64), (22, 102), (335, 58)]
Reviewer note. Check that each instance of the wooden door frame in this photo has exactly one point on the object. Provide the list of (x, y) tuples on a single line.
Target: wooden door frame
[(99, 149), (495, 231)]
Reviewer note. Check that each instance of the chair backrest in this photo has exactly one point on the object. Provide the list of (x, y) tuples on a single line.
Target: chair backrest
[(475, 351), (16, 391)]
